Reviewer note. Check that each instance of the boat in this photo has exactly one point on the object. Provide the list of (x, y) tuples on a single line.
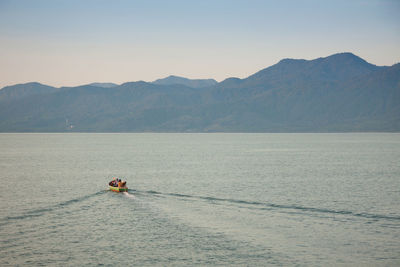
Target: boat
[(116, 185), (118, 189)]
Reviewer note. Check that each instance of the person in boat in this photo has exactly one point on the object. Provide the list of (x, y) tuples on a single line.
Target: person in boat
[(113, 182)]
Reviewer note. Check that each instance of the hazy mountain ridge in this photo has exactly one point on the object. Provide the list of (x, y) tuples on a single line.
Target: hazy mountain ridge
[(341, 92), (194, 83), (104, 85), (18, 91)]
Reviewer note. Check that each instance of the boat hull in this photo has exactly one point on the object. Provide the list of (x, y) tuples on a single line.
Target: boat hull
[(119, 189)]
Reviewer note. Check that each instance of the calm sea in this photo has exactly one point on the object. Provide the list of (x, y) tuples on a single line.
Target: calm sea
[(200, 199)]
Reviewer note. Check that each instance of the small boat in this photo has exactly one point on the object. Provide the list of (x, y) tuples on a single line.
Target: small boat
[(117, 185), (119, 189)]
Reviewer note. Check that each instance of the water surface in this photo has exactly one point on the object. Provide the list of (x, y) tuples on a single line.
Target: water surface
[(200, 199)]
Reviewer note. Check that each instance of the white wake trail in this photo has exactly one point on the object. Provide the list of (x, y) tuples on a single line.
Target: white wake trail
[(129, 195)]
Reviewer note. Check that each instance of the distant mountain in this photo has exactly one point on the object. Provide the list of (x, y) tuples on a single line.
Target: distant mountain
[(336, 93), (14, 92), (339, 93), (194, 83), (289, 72), (104, 85)]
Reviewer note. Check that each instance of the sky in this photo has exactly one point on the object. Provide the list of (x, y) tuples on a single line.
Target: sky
[(75, 42)]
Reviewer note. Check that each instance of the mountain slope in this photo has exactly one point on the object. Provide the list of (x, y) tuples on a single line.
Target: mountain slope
[(104, 85), (14, 92), (194, 83), (338, 93)]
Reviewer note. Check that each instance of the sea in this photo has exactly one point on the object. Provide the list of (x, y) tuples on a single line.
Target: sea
[(212, 199)]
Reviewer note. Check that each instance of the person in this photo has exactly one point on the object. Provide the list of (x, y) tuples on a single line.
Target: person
[(113, 182), (119, 183)]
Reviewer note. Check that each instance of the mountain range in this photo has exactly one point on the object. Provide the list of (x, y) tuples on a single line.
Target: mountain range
[(194, 83), (338, 93)]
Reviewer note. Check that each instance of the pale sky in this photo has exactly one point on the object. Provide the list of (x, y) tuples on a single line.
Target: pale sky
[(74, 42)]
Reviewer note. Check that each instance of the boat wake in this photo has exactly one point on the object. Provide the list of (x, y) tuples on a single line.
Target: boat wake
[(41, 211), (128, 195), (278, 207)]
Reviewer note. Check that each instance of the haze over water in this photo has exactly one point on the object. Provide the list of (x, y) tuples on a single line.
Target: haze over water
[(200, 199)]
